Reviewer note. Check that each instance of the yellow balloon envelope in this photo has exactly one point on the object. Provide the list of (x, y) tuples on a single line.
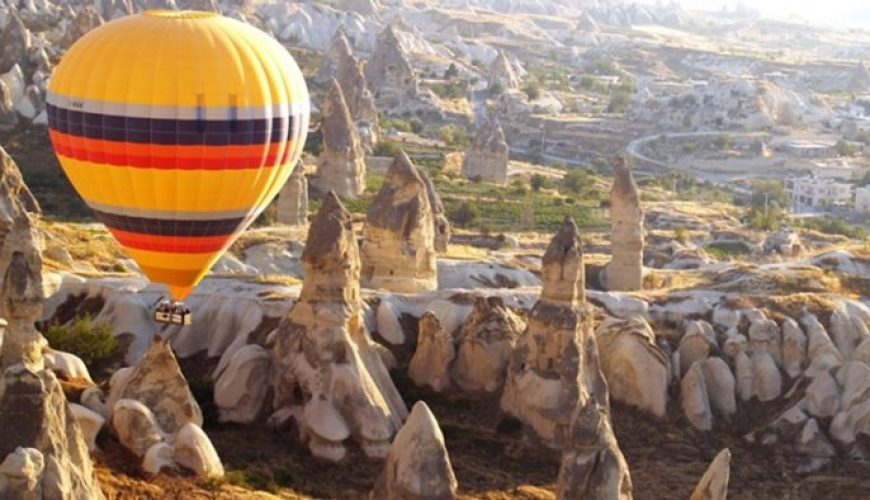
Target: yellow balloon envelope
[(177, 128)]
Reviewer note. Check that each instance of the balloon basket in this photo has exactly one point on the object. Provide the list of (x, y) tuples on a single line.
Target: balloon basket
[(171, 312)]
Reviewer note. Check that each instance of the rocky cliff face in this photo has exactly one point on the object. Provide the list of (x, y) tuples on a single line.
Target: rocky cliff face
[(502, 75), (392, 79), (44, 454), (389, 72), (342, 164), (21, 295), (328, 375), (293, 199), (439, 215), (351, 76), (625, 270), (487, 157), (398, 251)]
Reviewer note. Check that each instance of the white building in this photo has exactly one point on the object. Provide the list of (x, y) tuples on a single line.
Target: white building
[(814, 192), (862, 199), (837, 169)]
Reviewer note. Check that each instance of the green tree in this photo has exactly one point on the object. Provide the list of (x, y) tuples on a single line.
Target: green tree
[(723, 142), (532, 89)]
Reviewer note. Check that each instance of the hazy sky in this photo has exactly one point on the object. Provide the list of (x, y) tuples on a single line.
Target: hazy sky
[(845, 13)]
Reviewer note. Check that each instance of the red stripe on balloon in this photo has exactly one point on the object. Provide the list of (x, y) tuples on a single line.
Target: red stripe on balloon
[(177, 157), (174, 244)]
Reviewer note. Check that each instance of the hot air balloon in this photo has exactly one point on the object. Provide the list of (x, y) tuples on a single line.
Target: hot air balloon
[(177, 128)]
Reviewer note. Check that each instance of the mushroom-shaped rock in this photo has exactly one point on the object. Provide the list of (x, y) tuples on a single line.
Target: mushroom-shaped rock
[(636, 369), (714, 483), (398, 250), (322, 348), (695, 400), (625, 270), (194, 451), (417, 465), (545, 378), (342, 164), (486, 342), (435, 351), (327, 428)]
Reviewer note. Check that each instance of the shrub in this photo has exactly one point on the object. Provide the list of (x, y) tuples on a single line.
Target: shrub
[(416, 125), (465, 215), (532, 90), (574, 181), (538, 181), (681, 234), (723, 142), (386, 148), (92, 342)]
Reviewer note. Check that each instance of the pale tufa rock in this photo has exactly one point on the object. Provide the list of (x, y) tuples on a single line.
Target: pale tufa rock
[(625, 270), (398, 250), (417, 465), (435, 352), (327, 373), (714, 483), (485, 344), (636, 369)]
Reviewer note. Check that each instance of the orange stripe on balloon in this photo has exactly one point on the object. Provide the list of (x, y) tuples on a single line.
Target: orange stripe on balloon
[(184, 157), (175, 244)]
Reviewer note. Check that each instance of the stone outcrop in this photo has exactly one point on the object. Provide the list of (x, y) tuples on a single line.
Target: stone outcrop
[(15, 41), (389, 73), (8, 115), (86, 19), (439, 215), (241, 389), (502, 74), (714, 483), (435, 351), (21, 294), (151, 411), (487, 156), (360, 101), (293, 199), (625, 270), (485, 343), (43, 451), (545, 379), (328, 375), (592, 464), (417, 465), (636, 369), (398, 250), (342, 164), (339, 49)]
